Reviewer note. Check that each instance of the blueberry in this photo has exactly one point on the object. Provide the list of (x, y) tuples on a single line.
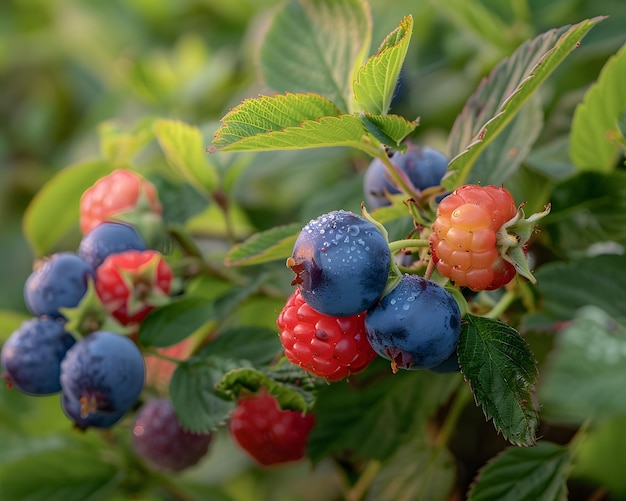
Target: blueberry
[(341, 262), (104, 372), (424, 167), (450, 364), (416, 326), (60, 282), (109, 238), (32, 355), (72, 409)]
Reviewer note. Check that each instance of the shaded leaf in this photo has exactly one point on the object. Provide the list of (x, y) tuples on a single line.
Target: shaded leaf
[(518, 474), (314, 46), (270, 245), (501, 371), (585, 377), (501, 95), (258, 345), (597, 118), (184, 150), (377, 78)]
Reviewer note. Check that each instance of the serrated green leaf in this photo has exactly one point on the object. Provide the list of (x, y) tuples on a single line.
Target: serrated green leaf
[(501, 95), (270, 245), (170, 324), (597, 118), (313, 46), (192, 391), (519, 474), (416, 471), (376, 80), (501, 371), (118, 146), (500, 160), (588, 209), (373, 420), (388, 129), (257, 345), (585, 377), (244, 381), (54, 210), (184, 150)]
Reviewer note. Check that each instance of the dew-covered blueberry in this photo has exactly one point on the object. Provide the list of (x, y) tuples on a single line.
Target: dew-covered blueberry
[(109, 238)]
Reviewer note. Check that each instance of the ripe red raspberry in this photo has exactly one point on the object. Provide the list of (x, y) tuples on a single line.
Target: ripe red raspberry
[(130, 284), (115, 196), (464, 238), (330, 347), (267, 433), (159, 438)]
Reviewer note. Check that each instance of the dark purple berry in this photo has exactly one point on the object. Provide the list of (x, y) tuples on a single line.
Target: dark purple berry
[(60, 281), (109, 238), (104, 372), (416, 326), (83, 420), (341, 262), (31, 357), (423, 166), (159, 438)]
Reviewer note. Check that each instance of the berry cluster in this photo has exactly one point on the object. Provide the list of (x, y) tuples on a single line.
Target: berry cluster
[(84, 303)]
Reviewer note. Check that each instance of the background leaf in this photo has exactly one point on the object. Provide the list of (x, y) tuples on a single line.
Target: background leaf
[(184, 150), (377, 78), (597, 115), (518, 474), (275, 243), (500, 96), (54, 211), (257, 345), (585, 377), (314, 45), (501, 371)]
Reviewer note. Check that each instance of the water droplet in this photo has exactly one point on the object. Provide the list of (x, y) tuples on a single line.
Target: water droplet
[(353, 230)]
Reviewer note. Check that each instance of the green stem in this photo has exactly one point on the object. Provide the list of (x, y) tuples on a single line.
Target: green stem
[(502, 305), (364, 481), (397, 245), (449, 425)]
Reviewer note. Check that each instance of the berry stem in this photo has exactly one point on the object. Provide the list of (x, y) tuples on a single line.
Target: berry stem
[(358, 490), (502, 305), (407, 244), (449, 425)]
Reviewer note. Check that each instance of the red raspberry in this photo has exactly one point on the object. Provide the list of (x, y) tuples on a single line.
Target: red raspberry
[(120, 193), (267, 433), (463, 241), (330, 347), (130, 284)]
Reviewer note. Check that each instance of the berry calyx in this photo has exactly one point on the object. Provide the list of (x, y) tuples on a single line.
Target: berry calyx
[(269, 434), (329, 347)]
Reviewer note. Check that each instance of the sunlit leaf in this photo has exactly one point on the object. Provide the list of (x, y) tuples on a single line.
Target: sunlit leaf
[(270, 245)]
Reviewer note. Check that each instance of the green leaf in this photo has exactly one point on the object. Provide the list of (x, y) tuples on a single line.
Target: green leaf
[(257, 345), (501, 371), (388, 129), (54, 210), (373, 420), (505, 154), (416, 471), (597, 118), (518, 474), (244, 381), (184, 150), (120, 147), (192, 391), (314, 46), (264, 246), (500, 96), (73, 471), (377, 78), (170, 324), (588, 209), (585, 376)]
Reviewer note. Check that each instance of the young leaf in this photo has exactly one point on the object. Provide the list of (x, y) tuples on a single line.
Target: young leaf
[(54, 211), (517, 474), (377, 78), (388, 129), (597, 117), (183, 148), (585, 376), (372, 420), (170, 324), (314, 46), (501, 371), (500, 96), (270, 245), (119, 146), (192, 391)]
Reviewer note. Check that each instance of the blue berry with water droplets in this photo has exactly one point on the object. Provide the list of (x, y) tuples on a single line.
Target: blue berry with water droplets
[(31, 356), (109, 238), (341, 262), (416, 325)]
